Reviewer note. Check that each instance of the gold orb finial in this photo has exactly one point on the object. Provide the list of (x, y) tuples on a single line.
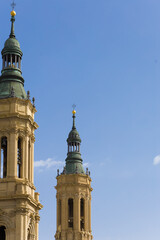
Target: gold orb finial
[(74, 112), (13, 13)]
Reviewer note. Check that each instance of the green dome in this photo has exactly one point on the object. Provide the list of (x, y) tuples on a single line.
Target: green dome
[(12, 43), (73, 136), (12, 46), (6, 89)]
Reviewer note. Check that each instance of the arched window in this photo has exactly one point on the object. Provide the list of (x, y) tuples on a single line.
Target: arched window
[(82, 214), (19, 158), (3, 172), (2, 233), (70, 213)]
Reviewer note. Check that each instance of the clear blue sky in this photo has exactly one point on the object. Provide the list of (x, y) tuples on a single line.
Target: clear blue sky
[(104, 56)]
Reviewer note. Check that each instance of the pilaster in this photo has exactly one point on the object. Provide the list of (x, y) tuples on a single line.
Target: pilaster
[(77, 213), (12, 155)]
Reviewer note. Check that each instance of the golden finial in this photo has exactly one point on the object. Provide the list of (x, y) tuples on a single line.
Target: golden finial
[(13, 13), (74, 111)]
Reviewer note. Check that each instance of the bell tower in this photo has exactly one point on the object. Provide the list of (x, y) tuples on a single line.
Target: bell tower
[(19, 203), (73, 194)]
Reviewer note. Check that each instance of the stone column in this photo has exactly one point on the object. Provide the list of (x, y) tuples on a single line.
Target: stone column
[(11, 59), (32, 161), (86, 214), (37, 218), (19, 225), (12, 155), (15, 61), (73, 147), (77, 212), (63, 212), (66, 213), (29, 160), (19, 62), (57, 212), (89, 210), (7, 60), (25, 228), (25, 158)]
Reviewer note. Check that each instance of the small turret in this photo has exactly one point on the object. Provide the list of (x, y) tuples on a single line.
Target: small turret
[(74, 160), (11, 77), (73, 194)]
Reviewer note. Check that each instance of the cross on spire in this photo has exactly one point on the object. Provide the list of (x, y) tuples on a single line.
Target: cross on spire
[(13, 5), (73, 106)]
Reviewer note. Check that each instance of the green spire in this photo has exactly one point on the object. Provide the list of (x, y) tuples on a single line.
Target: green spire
[(74, 125), (11, 75), (74, 161), (12, 35)]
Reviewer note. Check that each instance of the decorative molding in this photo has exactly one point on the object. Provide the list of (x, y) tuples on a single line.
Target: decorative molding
[(22, 211), (6, 219), (21, 132), (37, 218)]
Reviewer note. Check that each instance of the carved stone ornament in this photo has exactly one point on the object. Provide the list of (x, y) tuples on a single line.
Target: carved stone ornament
[(58, 235), (31, 228), (22, 211), (6, 219)]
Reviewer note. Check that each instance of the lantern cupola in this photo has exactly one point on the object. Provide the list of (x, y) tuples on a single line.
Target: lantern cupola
[(11, 79), (74, 160)]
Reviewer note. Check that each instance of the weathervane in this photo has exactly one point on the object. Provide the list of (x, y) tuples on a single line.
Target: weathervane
[(13, 5)]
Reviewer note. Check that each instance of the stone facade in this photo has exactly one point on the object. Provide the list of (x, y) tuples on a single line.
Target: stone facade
[(19, 203), (73, 194)]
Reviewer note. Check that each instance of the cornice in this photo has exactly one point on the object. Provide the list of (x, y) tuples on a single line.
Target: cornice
[(20, 101), (19, 117), (23, 197), (21, 132)]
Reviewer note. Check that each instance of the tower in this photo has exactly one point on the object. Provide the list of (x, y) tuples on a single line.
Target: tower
[(19, 203), (73, 194)]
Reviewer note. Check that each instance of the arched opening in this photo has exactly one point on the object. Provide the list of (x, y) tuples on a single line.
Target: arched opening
[(70, 213), (11, 61), (3, 162), (82, 214), (2, 233), (74, 147), (19, 158)]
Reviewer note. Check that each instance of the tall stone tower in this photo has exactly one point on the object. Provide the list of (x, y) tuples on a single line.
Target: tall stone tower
[(73, 194), (19, 203)]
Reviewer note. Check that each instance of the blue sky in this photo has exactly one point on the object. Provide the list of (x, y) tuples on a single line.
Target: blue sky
[(104, 56)]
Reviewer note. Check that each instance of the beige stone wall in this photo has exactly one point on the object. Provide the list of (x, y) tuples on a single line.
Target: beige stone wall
[(19, 203), (76, 187)]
